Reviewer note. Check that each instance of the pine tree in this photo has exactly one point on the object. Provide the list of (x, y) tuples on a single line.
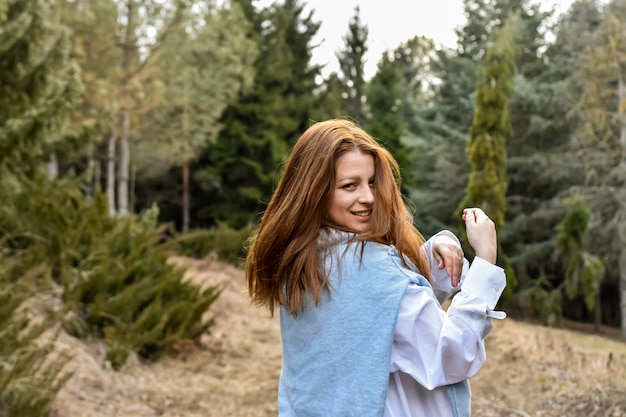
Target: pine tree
[(439, 166), (491, 127), (92, 23), (583, 271), (142, 27), (351, 64), (440, 126), (414, 59), (386, 124), (542, 164), (602, 136), (330, 100), (206, 63), (239, 172), (39, 84), (487, 184)]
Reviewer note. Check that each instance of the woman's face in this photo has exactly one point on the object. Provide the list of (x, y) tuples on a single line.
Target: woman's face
[(352, 197)]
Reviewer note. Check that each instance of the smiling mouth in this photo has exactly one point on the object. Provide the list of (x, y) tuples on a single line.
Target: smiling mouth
[(365, 213)]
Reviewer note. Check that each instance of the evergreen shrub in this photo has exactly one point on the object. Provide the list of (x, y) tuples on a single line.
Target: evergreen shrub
[(226, 243), (543, 301), (117, 284), (31, 371)]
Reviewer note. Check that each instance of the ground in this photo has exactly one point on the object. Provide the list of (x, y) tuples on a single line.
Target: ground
[(530, 371)]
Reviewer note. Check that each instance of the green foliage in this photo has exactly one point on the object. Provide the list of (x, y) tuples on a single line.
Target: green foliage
[(602, 72), (583, 271), (415, 59), (226, 243), (117, 283), (330, 100), (386, 124), (93, 24), (31, 371), (564, 115), (205, 62), (238, 173), (601, 138), (351, 63), (572, 229), (542, 164), (590, 279), (39, 85), (440, 171), (544, 301), (491, 127)]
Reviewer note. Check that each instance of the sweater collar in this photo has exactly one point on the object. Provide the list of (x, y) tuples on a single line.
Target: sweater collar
[(329, 237)]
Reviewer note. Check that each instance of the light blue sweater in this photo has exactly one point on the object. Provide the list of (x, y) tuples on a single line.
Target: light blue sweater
[(336, 356)]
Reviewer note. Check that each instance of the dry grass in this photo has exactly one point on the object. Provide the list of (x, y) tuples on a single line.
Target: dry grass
[(530, 371), (538, 371)]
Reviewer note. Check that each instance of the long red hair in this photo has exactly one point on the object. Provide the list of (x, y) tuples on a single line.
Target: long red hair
[(283, 261)]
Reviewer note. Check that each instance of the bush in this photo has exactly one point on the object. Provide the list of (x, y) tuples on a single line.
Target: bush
[(117, 283), (226, 243), (31, 372)]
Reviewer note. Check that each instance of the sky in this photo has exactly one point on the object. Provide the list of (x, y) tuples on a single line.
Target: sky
[(389, 22)]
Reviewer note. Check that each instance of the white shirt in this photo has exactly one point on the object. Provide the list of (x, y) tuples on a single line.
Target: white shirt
[(433, 348)]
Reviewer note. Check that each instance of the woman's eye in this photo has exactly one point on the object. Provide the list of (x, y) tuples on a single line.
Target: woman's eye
[(348, 187)]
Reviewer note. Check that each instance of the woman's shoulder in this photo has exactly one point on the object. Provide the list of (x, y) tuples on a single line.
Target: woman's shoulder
[(370, 256), (387, 257)]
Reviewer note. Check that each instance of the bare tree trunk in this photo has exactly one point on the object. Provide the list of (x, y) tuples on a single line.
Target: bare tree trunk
[(185, 226), (110, 189), (131, 192), (124, 166), (128, 50), (621, 95), (97, 174), (622, 267), (53, 167), (621, 225), (621, 221), (597, 313), (620, 195), (185, 121), (622, 216)]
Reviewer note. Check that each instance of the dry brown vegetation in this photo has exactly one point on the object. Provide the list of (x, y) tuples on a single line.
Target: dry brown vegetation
[(530, 371)]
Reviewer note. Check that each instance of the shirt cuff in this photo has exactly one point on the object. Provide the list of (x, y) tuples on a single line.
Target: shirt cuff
[(484, 280)]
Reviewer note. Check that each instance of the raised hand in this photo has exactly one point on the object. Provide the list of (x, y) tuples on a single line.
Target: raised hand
[(481, 234)]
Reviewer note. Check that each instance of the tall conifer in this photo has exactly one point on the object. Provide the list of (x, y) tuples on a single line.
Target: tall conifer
[(602, 136), (491, 127), (207, 61), (386, 124), (239, 172), (39, 85), (352, 74)]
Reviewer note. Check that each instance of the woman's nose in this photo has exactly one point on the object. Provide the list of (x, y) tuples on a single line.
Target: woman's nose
[(367, 195)]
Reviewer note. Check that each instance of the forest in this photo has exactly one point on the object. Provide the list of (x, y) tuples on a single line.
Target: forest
[(132, 130)]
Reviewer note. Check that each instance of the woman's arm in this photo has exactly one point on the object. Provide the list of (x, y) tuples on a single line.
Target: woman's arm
[(439, 348)]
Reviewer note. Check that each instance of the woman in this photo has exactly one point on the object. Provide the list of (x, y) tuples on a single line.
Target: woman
[(359, 291)]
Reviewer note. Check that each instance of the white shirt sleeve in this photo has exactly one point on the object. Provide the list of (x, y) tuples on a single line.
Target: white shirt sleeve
[(436, 347), (440, 280)]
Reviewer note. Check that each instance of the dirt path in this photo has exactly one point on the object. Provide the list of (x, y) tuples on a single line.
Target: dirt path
[(530, 371)]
